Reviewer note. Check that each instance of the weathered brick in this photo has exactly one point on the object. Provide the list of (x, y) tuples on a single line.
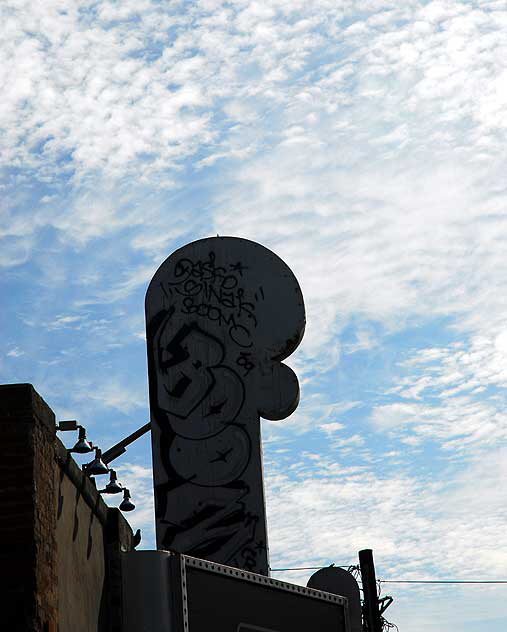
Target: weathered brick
[(27, 431), (64, 544)]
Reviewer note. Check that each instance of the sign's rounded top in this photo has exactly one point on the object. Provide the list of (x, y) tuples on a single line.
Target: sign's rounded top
[(235, 288)]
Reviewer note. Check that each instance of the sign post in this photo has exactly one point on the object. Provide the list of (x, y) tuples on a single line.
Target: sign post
[(369, 581)]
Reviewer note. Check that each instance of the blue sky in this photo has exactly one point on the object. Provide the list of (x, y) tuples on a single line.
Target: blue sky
[(364, 142)]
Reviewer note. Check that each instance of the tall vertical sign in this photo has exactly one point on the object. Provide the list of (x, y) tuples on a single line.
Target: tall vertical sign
[(221, 315)]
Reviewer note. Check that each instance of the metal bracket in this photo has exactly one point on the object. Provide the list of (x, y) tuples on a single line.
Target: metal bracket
[(121, 447), (384, 603)]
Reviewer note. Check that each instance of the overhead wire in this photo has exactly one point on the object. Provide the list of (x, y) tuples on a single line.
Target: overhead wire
[(355, 571), (387, 625), (309, 568), (443, 581)]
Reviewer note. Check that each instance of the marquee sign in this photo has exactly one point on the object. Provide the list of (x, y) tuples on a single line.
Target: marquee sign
[(217, 597), (169, 592)]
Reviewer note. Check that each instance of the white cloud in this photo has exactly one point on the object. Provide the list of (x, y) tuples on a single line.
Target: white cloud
[(365, 144), (15, 352), (453, 394), (417, 529), (332, 427), (112, 394)]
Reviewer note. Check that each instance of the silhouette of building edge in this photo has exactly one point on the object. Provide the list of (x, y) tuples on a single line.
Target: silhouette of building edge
[(60, 543)]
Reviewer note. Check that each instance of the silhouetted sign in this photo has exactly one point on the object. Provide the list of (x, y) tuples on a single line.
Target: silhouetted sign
[(220, 598), (221, 313)]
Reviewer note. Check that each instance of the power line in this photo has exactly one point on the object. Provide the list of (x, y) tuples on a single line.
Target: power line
[(308, 568), (442, 581), (398, 581)]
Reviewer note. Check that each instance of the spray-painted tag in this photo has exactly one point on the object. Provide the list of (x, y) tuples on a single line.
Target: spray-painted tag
[(221, 313)]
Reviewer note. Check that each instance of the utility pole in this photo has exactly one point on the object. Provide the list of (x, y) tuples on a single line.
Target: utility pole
[(371, 610)]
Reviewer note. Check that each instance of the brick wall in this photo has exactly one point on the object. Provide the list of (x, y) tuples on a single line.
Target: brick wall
[(27, 522), (60, 544)]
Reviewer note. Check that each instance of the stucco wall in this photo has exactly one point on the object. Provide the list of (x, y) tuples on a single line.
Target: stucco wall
[(81, 567)]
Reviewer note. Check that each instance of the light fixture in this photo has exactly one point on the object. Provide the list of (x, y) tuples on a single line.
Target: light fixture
[(121, 447), (69, 424), (113, 487), (126, 503), (97, 466), (82, 446)]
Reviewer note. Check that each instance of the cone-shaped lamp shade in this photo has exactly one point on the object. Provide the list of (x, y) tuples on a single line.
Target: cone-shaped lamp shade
[(126, 503), (82, 445), (97, 466), (113, 487)]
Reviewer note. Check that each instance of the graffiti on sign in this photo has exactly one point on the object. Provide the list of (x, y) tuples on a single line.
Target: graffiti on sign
[(221, 314)]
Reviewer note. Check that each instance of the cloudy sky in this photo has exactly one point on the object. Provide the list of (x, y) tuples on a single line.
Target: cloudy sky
[(364, 141)]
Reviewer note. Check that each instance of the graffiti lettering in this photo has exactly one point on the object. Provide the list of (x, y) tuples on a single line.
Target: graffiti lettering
[(209, 292), (211, 356), (204, 271), (244, 360)]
